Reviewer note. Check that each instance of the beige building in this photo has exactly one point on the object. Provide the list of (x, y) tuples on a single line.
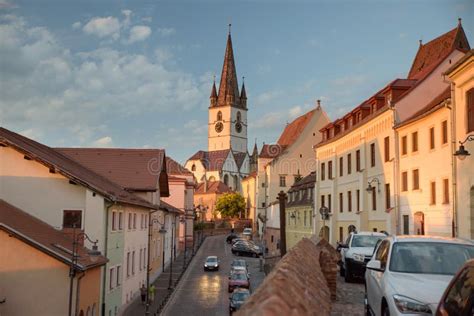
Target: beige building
[(249, 192), (205, 198), (461, 76), (280, 164), (35, 262), (361, 165)]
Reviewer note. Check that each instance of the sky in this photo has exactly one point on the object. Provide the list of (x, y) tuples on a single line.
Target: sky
[(139, 73)]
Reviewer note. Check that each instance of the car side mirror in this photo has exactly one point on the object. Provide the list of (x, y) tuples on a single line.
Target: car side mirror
[(374, 265), (229, 278)]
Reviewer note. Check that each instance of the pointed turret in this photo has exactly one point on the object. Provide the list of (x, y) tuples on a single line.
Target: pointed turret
[(213, 96), (228, 88), (243, 95)]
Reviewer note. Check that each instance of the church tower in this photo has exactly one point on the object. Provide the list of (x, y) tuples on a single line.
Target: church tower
[(227, 127)]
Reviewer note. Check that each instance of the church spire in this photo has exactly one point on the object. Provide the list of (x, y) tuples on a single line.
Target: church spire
[(228, 88)]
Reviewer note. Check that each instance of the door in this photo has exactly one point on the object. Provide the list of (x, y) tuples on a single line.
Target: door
[(419, 223), (374, 279)]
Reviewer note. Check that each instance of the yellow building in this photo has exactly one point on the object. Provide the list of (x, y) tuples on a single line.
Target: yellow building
[(249, 189), (300, 210), (461, 76)]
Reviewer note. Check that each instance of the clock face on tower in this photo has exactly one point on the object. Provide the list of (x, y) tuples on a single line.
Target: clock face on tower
[(238, 127), (219, 127)]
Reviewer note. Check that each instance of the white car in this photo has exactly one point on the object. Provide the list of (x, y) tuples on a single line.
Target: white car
[(356, 252), (408, 274)]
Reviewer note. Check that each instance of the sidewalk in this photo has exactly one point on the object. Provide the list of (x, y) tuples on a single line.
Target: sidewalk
[(162, 293)]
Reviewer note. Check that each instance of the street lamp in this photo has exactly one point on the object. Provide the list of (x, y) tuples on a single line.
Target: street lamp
[(370, 187), (94, 255), (462, 153), (182, 220), (325, 213)]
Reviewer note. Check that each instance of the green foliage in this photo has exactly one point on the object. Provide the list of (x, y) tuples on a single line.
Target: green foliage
[(199, 226), (231, 205)]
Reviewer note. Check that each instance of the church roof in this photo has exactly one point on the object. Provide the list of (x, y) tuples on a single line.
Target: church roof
[(431, 54), (212, 160), (293, 130), (213, 187), (239, 158), (271, 150)]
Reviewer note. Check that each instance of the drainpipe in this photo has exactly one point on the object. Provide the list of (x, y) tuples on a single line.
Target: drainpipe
[(396, 168), (78, 291), (106, 240)]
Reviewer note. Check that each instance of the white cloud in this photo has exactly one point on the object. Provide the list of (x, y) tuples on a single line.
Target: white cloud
[(267, 97), (138, 33), (103, 142), (147, 19), (76, 25), (166, 31), (163, 55), (295, 111), (127, 14), (103, 27), (4, 4)]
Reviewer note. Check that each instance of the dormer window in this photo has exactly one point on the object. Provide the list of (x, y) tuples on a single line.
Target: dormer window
[(219, 116), (193, 168)]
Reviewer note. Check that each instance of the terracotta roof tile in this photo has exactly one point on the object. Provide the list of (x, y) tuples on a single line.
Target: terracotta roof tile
[(293, 130), (239, 158), (170, 208), (70, 168), (271, 150), (133, 169), (212, 160), (213, 187), (44, 237), (176, 169)]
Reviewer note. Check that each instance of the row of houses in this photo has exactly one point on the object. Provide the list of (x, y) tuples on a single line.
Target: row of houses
[(82, 229), (387, 165)]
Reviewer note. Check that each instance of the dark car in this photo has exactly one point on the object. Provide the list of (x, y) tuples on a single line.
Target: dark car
[(230, 238), (237, 299), (238, 279), (458, 298), (211, 263), (241, 249)]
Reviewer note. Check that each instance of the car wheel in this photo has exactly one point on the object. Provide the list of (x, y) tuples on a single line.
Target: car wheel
[(347, 275), (385, 310), (341, 270), (366, 304)]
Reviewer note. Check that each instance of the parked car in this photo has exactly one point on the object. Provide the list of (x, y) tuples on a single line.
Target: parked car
[(238, 279), (356, 252), (239, 263), (211, 263), (246, 250), (238, 269), (237, 299), (408, 274), (241, 239), (246, 243), (231, 237), (247, 232), (458, 299)]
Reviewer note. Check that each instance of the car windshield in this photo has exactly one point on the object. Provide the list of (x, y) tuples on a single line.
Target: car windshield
[(240, 296), (429, 257), (238, 263), (365, 240), (211, 259), (239, 276)]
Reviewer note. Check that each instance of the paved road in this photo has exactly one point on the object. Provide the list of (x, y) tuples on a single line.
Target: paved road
[(350, 298), (205, 293)]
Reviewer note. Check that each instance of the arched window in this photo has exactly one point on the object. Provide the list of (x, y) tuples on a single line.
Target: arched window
[(324, 233), (88, 312), (239, 116), (212, 179), (193, 168), (93, 309), (236, 183), (419, 223), (226, 179), (219, 116)]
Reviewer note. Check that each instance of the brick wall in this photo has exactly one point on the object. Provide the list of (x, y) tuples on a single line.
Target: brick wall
[(302, 283)]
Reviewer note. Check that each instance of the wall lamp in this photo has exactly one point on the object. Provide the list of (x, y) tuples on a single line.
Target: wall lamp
[(370, 187), (462, 153)]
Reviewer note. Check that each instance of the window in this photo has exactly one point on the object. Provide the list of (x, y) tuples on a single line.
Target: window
[(140, 260), (119, 275), (387, 196), (341, 234), (134, 220), (239, 116), (406, 227), (372, 155), (358, 201), (322, 201), (323, 171), (128, 264), (404, 145), (459, 299), (111, 278), (445, 191), (349, 201), (470, 110), (374, 199), (416, 179), (341, 166), (341, 202), (433, 193), (120, 220), (133, 262), (219, 116), (444, 135), (282, 181), (263, 204), (329, 202), (432, 138), (130, 218), (386, 148), (330, 170), (193, 167), (72, 218), (414, 142), (358, 160), (382, 253), (144, 258), (114, 220), (404, 181), (304, 218), (349, 164)]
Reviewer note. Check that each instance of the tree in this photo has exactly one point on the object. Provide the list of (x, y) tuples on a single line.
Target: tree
[(230, 204)]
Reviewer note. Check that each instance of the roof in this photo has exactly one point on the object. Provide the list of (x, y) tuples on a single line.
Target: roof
[(212, 160), (70, 168), (213, 187), (44, 237), (304, 198), (304, 183), (468, 55), (133, 169), (293, 130), (170, 208), (271, 151), (429, 108), (431, 54), (174, 168), (253, 174), (239, 158)]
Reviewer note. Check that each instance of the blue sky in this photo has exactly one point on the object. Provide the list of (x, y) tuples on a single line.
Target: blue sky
[(139, 73)]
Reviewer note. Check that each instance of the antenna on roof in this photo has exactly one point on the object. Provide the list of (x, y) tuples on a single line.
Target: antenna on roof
[(230, 26), (318, 102), (421, 41), (459, 21)]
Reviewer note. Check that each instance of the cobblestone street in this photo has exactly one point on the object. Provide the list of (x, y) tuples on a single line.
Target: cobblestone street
[(350, 298)]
